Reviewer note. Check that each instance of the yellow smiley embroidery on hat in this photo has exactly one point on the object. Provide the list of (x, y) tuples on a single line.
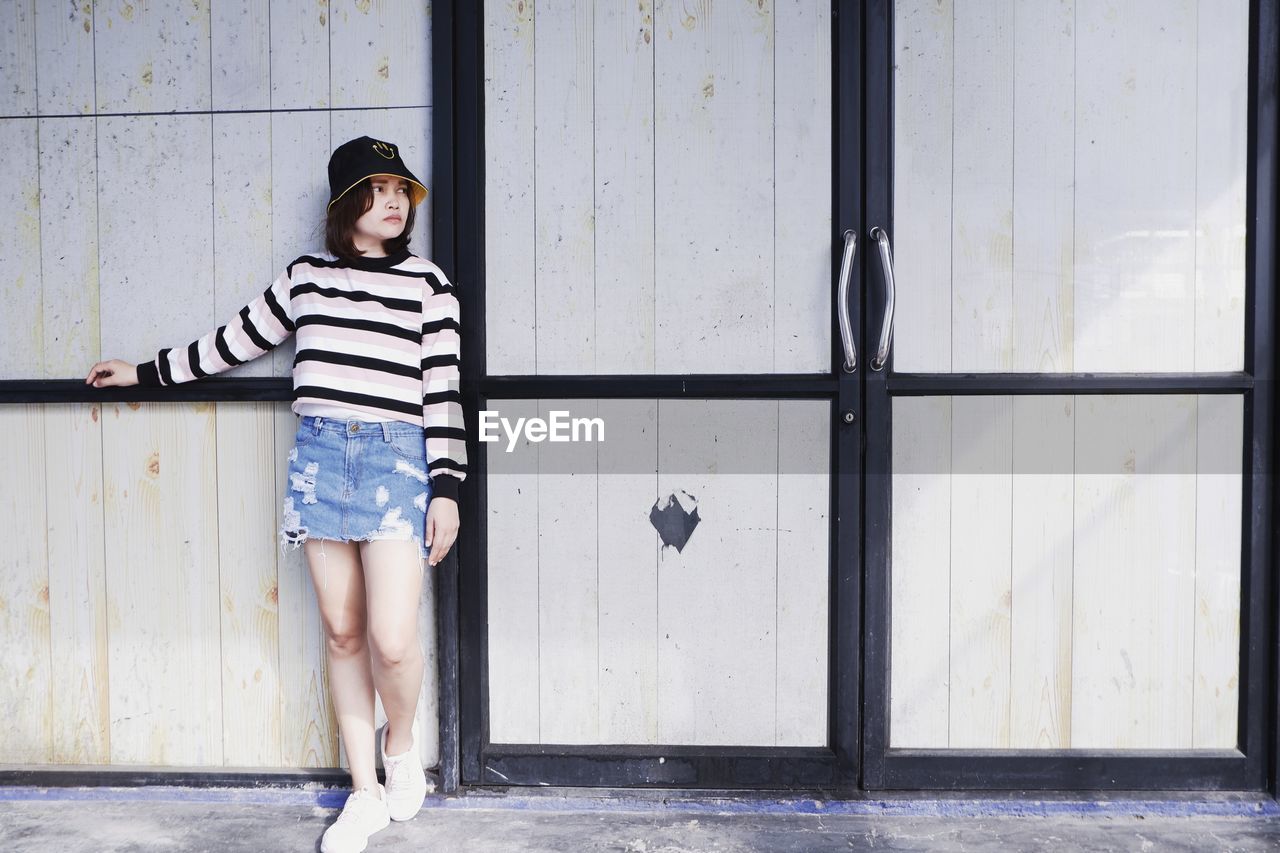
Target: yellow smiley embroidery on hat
[(382, 149)]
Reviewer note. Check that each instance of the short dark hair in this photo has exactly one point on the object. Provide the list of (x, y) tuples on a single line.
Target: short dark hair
[(340, 223)]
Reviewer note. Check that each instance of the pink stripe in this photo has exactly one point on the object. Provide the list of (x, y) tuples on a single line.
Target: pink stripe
[(360, 336), (319, 304), (396, 387)]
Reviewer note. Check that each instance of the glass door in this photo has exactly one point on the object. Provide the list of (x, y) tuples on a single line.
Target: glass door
[(672, 598), (1068, 548)]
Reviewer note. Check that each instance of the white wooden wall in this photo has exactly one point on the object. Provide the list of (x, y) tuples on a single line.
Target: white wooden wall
[(162, 161), (1069, 189), (658, 201)]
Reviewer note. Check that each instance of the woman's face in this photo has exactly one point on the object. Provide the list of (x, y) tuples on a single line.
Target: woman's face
[(384, 220)]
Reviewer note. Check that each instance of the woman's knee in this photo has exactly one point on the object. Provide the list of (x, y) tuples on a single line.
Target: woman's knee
[(394, 647), (349, 640)]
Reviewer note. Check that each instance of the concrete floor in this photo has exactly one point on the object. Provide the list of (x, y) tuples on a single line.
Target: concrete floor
[(77, 820)]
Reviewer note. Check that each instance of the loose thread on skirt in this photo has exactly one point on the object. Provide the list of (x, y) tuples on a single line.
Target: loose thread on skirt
[(324, 560)]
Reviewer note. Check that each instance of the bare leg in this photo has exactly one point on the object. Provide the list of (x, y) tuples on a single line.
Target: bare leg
[(393, 582), (341, 596)]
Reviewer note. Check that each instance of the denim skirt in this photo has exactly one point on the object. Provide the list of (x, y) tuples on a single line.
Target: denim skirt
[(356, 480)]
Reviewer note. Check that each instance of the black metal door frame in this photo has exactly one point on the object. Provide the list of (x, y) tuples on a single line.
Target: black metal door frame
[(469, 758), (1251, 765)]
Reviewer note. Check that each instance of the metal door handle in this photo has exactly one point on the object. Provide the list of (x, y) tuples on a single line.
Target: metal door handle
[(886, 325), (846, 325)]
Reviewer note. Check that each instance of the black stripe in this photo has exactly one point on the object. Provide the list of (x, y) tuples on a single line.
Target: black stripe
[(258, 340), (444, 432), (352, 397), (411, 305), (220, 341), (452, 395), (193, 360), (365, 325), (446, 462), (440, 361), (280, 313), (363, 361), (166, 373), (437, 325)]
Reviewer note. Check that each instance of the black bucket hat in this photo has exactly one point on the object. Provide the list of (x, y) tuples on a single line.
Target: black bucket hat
[(365, 157)]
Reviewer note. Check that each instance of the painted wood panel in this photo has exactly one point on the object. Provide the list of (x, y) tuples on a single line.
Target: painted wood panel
[(20, 249), (145, 53), (509, 237), (714, 192), (920, 573), (300, 51), (77, 584), (64, 58), (802, 163), (149, 202), (1079, 242), (249, 593), (26, 686), (622, 141), (564, 174), (68, 246), (240, 50), (512, 488), (381, 53), (162, 584), (18, 59), (1091, 546), (923, 117)]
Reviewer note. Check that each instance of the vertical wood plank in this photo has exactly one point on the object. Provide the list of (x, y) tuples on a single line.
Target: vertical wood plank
[(25, 666), (20, 278), (300, 149), (152, 57), (716, 667), (920, 576), (1040, 631), (981, 570), (513, 487), (239, 44), (628, 567), (1222, 90), (242, 221), (1043, 152), (381, 54), (568, 582), (152, 296), (308, 727), (68, 246), (714, 197), (1219, 452), (162, 584), (982, 201), (564, 174), (1135, 199), (802, 172), (77, 583), (1133, 619), (18, 58), (250, 625), (64, 58), (922, 204), (624, 176), (300, 29), (803, 559), (509, 241)]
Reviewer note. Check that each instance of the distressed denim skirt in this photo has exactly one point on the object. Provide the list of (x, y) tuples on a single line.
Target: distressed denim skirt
[(356, 480)]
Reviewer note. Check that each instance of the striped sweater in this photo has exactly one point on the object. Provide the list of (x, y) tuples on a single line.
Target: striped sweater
[(376, 337)]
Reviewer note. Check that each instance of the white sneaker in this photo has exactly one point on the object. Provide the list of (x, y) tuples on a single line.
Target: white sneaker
[(406, 780), (364, 814)]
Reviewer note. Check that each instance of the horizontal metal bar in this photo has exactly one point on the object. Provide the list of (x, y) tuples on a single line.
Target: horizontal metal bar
[(961, 384), (210, 389), (720, 386)]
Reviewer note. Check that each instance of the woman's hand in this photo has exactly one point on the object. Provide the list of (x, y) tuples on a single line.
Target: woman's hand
[(106, 374), (442, 527)]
